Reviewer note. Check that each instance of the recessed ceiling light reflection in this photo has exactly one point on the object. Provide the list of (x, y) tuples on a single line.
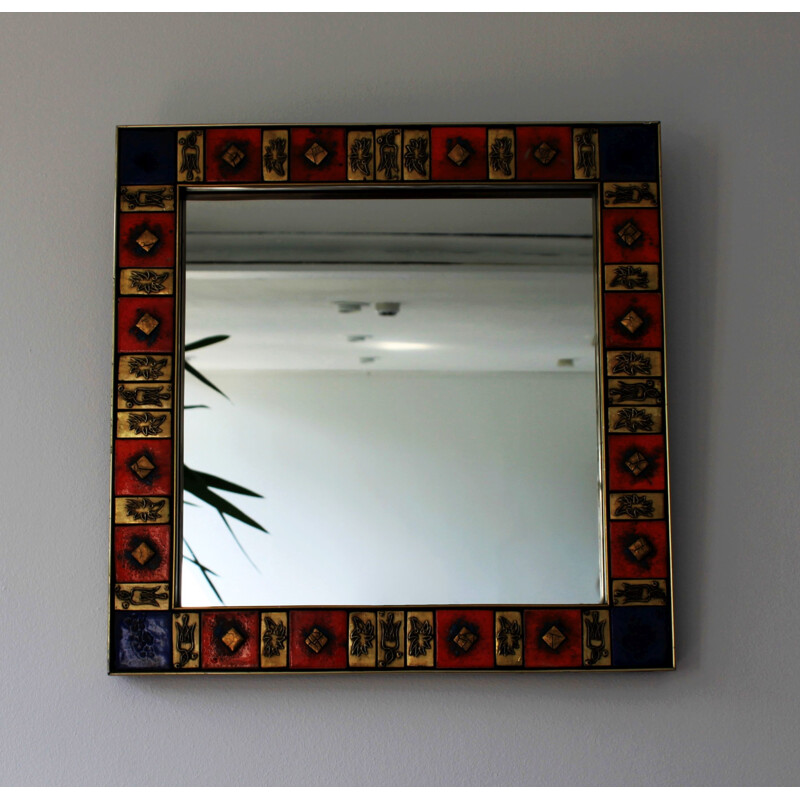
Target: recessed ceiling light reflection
[(401, 346)]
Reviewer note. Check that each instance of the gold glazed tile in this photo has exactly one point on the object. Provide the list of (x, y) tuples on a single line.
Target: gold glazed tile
[(416, 155), (144, 424), (190, 156), (635, 391), (275, 155), (637, 194), (630, 419), (596, 638), (147, 198), (388, 154), (420, 639), (502, 154), (631, 277), (146, 281), (508, 638), (362, 639), (141, 510), (144, 596), (186, 640), (636, 505), (144, 395), (145, 368), (639, 593), (274, 639), (585, 153), (360, 156), (633, 363), (391, 639)]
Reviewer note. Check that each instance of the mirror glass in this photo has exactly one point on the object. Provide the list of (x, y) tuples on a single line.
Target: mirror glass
[(410, 385)]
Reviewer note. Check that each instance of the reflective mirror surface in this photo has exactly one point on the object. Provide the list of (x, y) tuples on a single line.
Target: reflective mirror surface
[(410, 385)]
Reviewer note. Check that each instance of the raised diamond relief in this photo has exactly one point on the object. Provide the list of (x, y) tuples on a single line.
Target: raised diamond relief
[(316, 640), (316, 153), (458, 155), (637, 463), (147, 324), (632, 321), (143, 553), (233, 155), (142, 467), (232, 639), (639, 549), (147, 240), (465, 638), (544, 154), (554, 638), (629, 233)]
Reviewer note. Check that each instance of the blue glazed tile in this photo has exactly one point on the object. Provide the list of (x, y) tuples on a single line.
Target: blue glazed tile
[(143, 640), (147, 155), (628, 152), (640, 637)]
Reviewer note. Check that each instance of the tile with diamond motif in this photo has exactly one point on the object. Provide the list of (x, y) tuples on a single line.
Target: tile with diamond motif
[(146, 239), (631, 235), (459, 154), (508, 638), (275, 155), (553, 638), (142, 467), (185, 640), (318, 639), (502, 154), (191, 155), (596, 634), (229, 639), (233, 155), (629, 152), (141, 596), (638, 549), (465, 639), (274, 643), (420, 639), (318, 154), (147, 198), (146, 156), (635, 419), (388, 154), (640, 364), (144, 324), (641, 637), (363, 639), (146, 281), (585, 153), (360, 155), (144, 368), (141, 553), (630, 195), (416, 154), (391, 639), (650, 592), (636, 505), (633, 319), (636, 461), (144, 510), (142, 641), (631, 278), (544, 153)]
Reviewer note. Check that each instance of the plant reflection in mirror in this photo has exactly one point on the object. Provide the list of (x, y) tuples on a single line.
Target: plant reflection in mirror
[(202, 484)]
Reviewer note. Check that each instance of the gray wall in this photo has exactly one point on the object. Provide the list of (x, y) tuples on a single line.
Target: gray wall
[(725, 89)]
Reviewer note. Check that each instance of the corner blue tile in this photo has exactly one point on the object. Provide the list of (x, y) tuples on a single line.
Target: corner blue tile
[(628, 152), (143, 640), (147, 155), (641, 637)]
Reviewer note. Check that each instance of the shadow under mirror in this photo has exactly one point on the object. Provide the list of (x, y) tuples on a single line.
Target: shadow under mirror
[(391, 401)]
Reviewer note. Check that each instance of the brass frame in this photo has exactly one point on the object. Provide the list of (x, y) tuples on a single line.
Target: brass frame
[(618, 164)]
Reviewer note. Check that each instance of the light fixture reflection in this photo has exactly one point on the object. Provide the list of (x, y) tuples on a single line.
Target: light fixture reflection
[(401, 346)]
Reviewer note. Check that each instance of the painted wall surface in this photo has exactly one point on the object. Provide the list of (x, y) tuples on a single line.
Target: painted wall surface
[(724, 88)]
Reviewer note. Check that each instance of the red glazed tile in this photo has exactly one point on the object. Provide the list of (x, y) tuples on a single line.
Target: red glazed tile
[(144, 324), (229, 639), (464, 145), (464, 639), (553, 638), (141, 553), (318, 639), (147, 240), (143, 466), (630, 236), (633, 319), (636, 461), (317, 154), (544, 153), (233, 155), (639, 550)]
